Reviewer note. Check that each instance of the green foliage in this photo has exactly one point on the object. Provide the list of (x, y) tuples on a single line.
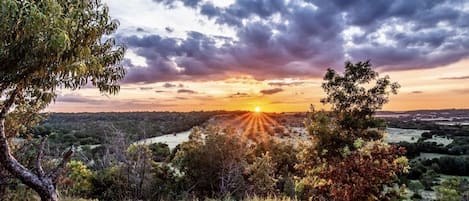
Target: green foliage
[(137, 170), (168, 183), (46, 45), (282, 153), (18, 192), (261, 175), (450, 190), (428, 179), (353, 102), (416, 186), (348, 93), (160, 151), (132, 177), (284, 158), (343, 161), (110, 184), (49, 44), (77, 182), (214, 161)]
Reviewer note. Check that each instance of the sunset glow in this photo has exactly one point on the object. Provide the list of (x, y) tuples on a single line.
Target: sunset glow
[(257, 109), (181, 59)]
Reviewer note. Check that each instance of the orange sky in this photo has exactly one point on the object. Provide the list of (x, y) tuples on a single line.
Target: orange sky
[(421, 89)]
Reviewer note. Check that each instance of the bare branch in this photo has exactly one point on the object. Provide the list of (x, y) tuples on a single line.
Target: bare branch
[(56, 172), (40, 156)]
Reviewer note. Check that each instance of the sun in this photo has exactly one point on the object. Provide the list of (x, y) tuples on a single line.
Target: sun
[(257, 109)]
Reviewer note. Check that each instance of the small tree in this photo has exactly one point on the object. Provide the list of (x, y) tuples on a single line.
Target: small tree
[(347, 160), (214, 162), (45, 45), (261, 175)]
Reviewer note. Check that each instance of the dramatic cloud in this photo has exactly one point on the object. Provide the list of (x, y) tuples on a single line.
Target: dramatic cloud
[(187, 91), (271, 91), (301, 38)]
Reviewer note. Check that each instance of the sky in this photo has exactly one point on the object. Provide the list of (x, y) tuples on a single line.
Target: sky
[(191, 55)]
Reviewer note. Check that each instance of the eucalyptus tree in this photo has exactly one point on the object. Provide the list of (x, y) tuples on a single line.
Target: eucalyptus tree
[(47, 45)]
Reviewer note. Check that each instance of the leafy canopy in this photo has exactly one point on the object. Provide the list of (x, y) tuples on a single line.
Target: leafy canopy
[(354, 98), (47, 44), (346, 159)]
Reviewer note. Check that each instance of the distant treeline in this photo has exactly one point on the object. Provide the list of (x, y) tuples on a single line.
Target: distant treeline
[(94, 128)]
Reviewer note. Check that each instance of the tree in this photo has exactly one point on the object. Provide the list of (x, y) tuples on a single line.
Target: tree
[(213, 161), (45, 46), (353, 104), (347, 159), (261, 175), (137, 166)]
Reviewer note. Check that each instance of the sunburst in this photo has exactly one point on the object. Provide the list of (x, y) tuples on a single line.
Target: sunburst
[(257, 109)]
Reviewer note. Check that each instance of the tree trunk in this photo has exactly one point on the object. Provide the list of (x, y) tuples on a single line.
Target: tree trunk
[(49, 193), (4, 181), (42, 184)]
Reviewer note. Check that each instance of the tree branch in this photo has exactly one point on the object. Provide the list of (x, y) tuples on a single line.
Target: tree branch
[(56, 172), (11, 164), (40, 156), (8, 103)]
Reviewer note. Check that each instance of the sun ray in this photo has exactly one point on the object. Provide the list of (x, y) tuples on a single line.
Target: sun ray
[(262, 126), (244, 121), (271, 121), (239, 118), (248, 129)]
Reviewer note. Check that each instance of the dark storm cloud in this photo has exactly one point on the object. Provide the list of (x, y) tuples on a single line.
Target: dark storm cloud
[(278, 39), (271, 91), (187, 91)]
